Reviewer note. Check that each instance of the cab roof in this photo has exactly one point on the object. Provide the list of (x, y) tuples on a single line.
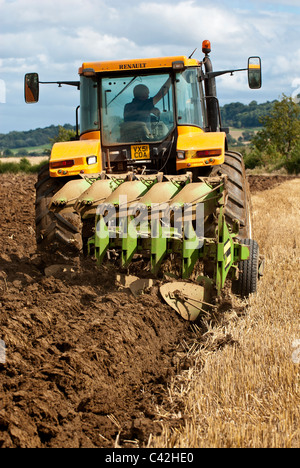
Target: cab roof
[(177, 62)]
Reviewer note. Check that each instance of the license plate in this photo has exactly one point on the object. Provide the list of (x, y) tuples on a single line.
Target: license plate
[(140, 152)]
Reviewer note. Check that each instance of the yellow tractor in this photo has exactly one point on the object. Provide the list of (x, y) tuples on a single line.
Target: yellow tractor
[(149, 178)]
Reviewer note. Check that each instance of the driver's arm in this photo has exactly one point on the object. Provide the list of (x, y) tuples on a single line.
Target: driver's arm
[(162, 92)]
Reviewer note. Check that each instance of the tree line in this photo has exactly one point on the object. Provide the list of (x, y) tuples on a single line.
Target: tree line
[(240, 115), (31, 138), (274, 144), (236, 115)]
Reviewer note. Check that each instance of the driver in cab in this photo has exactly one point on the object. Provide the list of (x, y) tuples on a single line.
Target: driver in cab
[(141, 107)]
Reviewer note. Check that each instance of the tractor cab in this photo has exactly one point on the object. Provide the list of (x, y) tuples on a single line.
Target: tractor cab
[(141, 107)]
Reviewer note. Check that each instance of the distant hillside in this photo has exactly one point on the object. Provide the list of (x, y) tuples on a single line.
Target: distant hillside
[(31, 138), (236, 115), (240, 115)]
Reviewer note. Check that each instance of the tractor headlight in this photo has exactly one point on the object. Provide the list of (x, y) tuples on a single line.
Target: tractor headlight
[(180, 154), (91, 160)]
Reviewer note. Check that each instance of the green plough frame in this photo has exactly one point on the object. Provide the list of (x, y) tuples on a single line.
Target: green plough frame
[(221, 252)]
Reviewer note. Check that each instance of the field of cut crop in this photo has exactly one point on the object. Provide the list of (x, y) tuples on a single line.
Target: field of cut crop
[(244, 389), (32, 160), (85, 363)]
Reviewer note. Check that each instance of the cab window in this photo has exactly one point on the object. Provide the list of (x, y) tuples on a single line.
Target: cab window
[(188, 98)]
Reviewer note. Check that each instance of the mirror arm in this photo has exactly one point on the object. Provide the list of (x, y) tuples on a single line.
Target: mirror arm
[(219, 73), (60, 83)]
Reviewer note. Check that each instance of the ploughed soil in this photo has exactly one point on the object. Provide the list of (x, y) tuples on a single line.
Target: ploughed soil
[(258, 183), (83, 362)]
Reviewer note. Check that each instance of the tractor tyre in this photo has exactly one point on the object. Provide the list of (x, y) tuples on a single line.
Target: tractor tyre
[(238, 205), (248, 271), (58, 234)]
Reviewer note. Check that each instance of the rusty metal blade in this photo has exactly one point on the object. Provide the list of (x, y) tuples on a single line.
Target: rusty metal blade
[(188, 299)]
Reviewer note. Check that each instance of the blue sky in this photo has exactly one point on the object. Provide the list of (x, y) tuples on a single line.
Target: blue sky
[(54, 37)]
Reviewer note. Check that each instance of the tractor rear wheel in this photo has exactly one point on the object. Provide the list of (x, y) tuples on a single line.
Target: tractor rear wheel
[(238, 206), (58, 235)]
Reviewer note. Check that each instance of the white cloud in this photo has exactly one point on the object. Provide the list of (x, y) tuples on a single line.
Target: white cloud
[(55, 37), (281, 2)]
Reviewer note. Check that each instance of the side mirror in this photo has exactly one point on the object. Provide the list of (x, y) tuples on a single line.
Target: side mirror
[(31, 87), (254, 72)]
